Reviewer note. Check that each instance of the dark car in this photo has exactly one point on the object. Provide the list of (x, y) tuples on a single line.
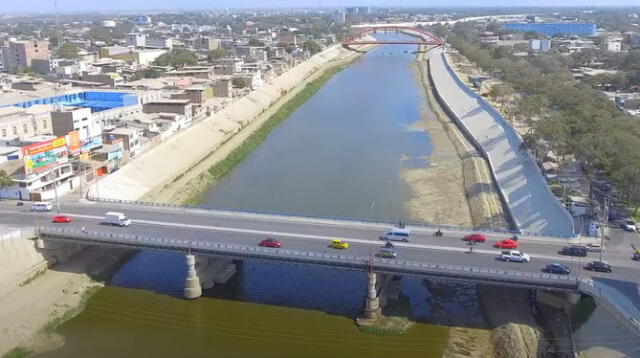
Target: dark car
[(574, 250), (599, 266), (557, 268), (269, 242)]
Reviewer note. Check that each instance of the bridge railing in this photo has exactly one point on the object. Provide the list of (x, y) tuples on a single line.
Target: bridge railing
[(155, 242), (326, 217)]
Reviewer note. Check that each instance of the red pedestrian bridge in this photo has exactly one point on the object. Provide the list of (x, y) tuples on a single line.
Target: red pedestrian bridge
[(422, 37)]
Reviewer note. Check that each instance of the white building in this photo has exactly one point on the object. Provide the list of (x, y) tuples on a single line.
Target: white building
[(614, 45), (71, 119), (46, 185), (136, 40), (339, 17), (540, 45)]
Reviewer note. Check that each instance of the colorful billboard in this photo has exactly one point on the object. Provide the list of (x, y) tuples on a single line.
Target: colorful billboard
[(73, 143), (41, 156), (91, 143)]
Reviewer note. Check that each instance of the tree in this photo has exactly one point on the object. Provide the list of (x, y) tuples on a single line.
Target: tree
[(530, 35), (255, 42), (530, 107), (501, 92), (5, 179), (216, 54), (177, 57), (238, 83), (67, 51), (312, 46)]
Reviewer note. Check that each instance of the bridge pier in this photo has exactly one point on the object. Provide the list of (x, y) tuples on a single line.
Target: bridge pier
[(205, 272), (372, 309), (57, 252)]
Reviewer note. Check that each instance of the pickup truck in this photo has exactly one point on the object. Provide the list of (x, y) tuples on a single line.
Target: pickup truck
[(513, 255)]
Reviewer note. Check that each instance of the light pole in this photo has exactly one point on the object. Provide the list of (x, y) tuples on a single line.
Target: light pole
[(605, 219), (370, 214)]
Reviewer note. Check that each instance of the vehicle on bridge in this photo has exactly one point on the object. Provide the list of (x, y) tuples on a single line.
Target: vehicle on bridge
[(397, 234), (475, 238), (61, 219), (387, 252), (594, 247), (115, 218), (599, 266), (574, 250), (339, 244), (271, 242), (42, 206), (507, 244), (515, 256), (557, 268)]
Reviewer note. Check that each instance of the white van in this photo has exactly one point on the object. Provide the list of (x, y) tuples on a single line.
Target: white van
[(115, 218), (397, 234), (42, 206)]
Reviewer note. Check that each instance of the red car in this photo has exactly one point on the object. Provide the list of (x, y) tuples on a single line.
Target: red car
[(507, 244), (269, 242), (61, 219), (475, 238)]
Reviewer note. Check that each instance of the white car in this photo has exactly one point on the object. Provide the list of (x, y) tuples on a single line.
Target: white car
[(513, 255), (629, 225), (594, 247)]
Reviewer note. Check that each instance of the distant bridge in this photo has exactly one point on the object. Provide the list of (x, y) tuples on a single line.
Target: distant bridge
[(422, 37)]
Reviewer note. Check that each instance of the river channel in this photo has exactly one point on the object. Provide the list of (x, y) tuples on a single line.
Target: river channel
[(340, 154)]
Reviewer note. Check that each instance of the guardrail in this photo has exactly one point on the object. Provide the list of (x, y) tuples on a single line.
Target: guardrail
[(485, 275), (324, 217)]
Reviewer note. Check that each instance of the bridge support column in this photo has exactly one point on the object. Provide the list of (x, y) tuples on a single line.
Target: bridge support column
[(372, 309), (574, 297), (192, 287)]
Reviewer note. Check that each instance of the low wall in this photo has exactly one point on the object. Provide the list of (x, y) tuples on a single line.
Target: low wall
[(178, 154), (531, 204)]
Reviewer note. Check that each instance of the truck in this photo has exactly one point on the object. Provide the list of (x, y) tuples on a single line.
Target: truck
[(513, 255), (115, 218)]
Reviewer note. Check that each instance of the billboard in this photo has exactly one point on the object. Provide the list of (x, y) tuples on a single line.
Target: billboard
[(73, 143), (91, 143), (41, 156)]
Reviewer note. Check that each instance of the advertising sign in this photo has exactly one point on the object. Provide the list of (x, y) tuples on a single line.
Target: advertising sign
[(41, 156), (91, 143), (73, 143)]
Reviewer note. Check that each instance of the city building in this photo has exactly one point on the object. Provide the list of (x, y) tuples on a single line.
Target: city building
[(543, 45), (142, 20), (489, 38), (207, 43), (158, 42), (555, 28), (178, 106), (67, 120), (338, 17), (130, 137), (25, 122), (136, 39), (19, 54), (613, 45)]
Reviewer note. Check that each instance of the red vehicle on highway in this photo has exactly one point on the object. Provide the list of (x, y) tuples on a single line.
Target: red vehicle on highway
[(475, 238), (507, 244), (61, 219), (269, 242)]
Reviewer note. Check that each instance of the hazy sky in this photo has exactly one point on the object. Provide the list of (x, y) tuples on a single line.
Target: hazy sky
[(113, 5)]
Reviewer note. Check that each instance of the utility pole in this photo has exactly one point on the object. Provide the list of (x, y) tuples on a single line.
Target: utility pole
[(605, 219)]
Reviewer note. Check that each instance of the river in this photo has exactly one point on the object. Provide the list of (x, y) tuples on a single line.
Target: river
[(340, 154)]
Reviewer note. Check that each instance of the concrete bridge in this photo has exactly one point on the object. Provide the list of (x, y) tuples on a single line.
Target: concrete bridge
[(211, 239)]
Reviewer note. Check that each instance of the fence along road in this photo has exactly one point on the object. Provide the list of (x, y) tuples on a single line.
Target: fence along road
[(529, 201)]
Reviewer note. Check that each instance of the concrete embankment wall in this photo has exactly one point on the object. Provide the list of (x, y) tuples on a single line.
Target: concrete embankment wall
[(165, 163), (528, 199), (19, 259)]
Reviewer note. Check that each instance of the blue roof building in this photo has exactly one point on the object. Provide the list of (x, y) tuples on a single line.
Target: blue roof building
[(555, 28), (96, 101)]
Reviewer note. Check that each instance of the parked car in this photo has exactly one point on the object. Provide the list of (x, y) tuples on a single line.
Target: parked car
[(599, 266), (507, 244), (475, 238), (61, 219), (557, 268), (397, 234), (513, 255), (574, 250), (594, 247), (387, 252), (339, 244), (629, 225), (270, 242)]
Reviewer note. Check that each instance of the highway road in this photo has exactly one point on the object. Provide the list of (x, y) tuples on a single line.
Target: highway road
[(314, 234)]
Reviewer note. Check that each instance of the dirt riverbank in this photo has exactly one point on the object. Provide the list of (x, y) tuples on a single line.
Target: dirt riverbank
[(456, 188), (30, 312)]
